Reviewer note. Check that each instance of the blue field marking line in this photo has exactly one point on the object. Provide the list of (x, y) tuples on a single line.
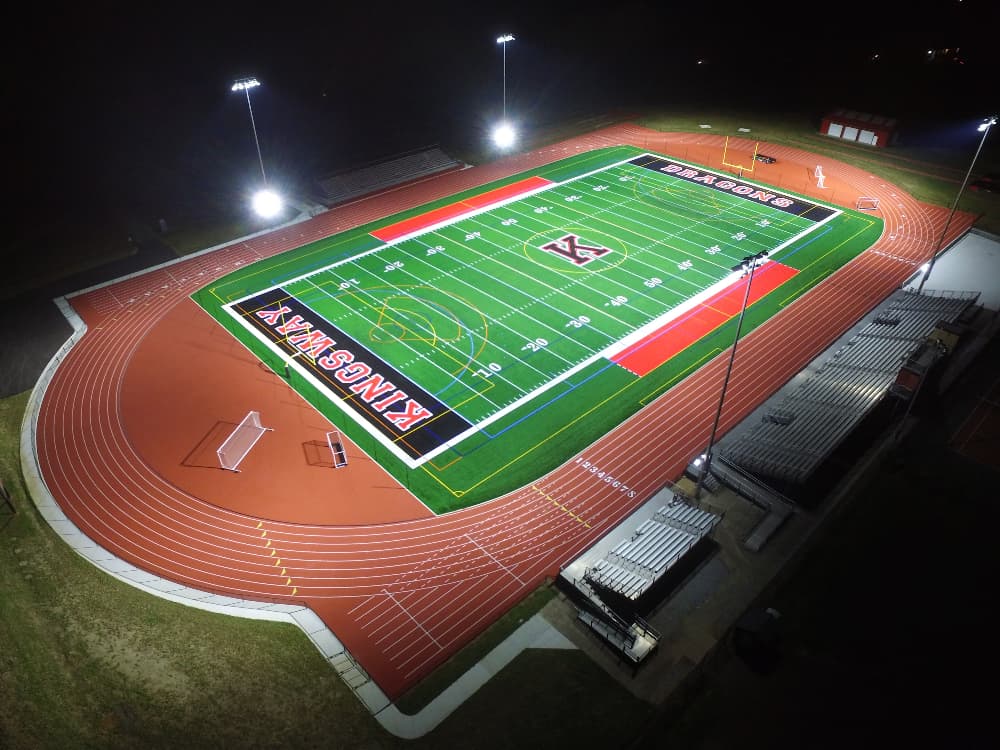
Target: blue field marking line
[(416, 351), (381, 399), (424, 230), (804, 245), (354, 267), (541, 407), (738, 186)]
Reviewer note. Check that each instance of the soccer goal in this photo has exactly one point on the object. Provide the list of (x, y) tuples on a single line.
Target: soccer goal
[(867, 203), (236, 447), (336, 445)]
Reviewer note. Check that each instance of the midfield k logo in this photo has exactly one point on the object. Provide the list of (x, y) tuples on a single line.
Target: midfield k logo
[(570, 248)]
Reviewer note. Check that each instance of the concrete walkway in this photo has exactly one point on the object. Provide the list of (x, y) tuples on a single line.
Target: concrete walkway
[(692, 622), (535, 633)]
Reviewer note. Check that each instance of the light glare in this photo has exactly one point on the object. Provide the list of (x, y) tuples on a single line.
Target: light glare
[(245, 83), (504, 135), (267, 203)]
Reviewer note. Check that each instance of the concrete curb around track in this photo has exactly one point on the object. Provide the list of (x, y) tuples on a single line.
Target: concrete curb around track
[(534, 633)]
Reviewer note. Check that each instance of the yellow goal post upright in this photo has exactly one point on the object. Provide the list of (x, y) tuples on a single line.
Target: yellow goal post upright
[(740, 167)]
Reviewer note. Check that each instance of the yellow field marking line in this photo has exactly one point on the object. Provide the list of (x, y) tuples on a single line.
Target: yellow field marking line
[(574, 516), (796, 295), (405, 291), (686, 195), (448, 465), (377, 311), (384, 316), (530, 449), (270, 267), (564, 229), (338, 240), (659, 242), (277, 560), (753, 160), (595, 156), (455, 319), (475, 394), (716, 205), (681, 375)]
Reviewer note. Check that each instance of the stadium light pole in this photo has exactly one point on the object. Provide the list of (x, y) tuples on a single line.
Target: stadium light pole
[(748, 265), (244, 85), (503, 41), (984, 128), (504, 134), (266, 202)]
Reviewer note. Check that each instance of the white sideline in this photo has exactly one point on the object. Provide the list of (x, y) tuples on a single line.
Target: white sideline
[(534, 633)]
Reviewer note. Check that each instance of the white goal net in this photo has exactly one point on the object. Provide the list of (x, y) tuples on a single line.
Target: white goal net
[(236, 447), (336, 445)]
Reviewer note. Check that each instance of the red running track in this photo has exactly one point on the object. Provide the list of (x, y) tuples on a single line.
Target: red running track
[(403, 596)]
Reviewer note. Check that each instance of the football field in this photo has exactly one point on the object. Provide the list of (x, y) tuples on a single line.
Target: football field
[(472, 344)]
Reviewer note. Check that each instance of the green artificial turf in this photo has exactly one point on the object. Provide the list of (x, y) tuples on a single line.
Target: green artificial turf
[(519, 340)]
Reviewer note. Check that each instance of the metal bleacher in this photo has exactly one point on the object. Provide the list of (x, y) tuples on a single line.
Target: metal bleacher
[(633, 565), (349, 185), (795, 437)]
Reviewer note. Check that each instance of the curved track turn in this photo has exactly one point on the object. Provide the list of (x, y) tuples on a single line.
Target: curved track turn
[(405, 596)]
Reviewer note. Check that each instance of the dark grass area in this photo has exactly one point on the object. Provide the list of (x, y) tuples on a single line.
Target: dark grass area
[(887, 635), (87, 661), (425, 691), (885, 641), (585, 710)]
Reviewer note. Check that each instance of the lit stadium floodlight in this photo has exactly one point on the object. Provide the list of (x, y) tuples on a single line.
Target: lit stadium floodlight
[(984, 128), (245, 84), (504, 135), (746, 267), (267, 203)]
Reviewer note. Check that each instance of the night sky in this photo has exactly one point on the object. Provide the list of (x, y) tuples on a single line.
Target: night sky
[(113, 113), (112, 110)]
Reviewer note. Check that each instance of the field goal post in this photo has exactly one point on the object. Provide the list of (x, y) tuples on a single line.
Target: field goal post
[(867, 203), (336, 445), (236, 447), (741, 167)]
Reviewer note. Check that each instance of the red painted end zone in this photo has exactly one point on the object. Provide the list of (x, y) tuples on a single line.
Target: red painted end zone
[(416, 223), (653, 350)]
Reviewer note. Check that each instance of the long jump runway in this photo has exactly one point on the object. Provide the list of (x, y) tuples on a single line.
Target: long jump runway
[(401, 589)]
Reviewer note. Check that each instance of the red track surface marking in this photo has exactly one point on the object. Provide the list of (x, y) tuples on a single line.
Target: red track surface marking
[(220, 384), (405, 595), (647, 354), (416, 223)]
